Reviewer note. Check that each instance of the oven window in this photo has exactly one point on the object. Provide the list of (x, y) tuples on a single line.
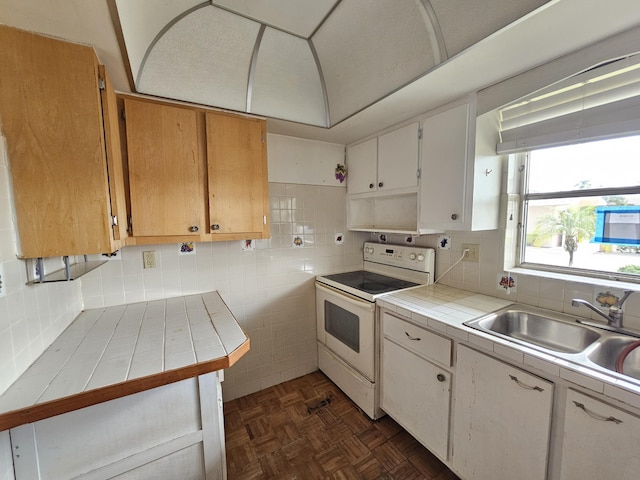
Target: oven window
[(343, 325)]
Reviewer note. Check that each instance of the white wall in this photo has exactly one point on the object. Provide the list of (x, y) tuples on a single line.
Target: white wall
[(31, 317), (270, 289)]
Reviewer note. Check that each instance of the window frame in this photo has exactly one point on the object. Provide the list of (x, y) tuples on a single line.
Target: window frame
[(523, 159)]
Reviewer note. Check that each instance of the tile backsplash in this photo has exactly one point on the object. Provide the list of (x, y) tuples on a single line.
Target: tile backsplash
[(270, 289), (30, 317)]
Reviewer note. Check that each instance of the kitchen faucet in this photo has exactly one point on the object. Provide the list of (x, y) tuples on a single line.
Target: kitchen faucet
[(614, 318)]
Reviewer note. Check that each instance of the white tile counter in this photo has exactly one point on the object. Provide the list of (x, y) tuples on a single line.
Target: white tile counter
[(442, 308), (107, 353)]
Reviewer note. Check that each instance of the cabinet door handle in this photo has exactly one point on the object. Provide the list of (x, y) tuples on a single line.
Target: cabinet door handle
[(440, 377), (595, 415), (381, 184), (193, 228), (417, 339), (524, 385), (215, 226), (454, 216), (371, 185)]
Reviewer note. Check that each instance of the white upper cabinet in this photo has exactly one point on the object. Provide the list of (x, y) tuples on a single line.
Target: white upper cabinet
[(384, 164), (460, 185), (362, 162), (398, 159)]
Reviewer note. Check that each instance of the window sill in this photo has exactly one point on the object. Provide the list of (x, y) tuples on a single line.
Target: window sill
[(617, 284)]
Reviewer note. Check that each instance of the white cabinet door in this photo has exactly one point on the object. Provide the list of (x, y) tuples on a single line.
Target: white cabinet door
[(600, 441), (362, 167), (502, 417), (416, 394), (443, 163), (398, 158)]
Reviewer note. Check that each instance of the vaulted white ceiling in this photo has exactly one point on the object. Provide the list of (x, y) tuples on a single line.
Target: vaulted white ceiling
[(385, 60), (316, 62)]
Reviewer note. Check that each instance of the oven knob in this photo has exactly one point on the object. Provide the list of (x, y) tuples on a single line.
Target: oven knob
[(420, 257), (368, 250), (412, 256)]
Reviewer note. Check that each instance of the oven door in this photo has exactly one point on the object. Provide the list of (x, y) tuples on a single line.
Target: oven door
[(346, 326)]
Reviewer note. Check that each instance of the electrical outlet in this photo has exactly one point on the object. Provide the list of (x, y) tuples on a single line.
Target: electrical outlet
[(473, 255), (149, 259), (3, 283)]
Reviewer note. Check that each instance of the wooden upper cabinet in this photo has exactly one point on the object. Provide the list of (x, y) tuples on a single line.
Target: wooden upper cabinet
[(237, 173), (166, 170), (52, 118)]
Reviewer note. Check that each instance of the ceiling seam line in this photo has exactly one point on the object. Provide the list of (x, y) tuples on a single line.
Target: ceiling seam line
[(247, 17), (252, 66), (323, 84), (436, 32), (326, 17), (161, 33)]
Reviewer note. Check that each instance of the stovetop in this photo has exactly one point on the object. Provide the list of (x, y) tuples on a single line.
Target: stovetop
[(370, 282)]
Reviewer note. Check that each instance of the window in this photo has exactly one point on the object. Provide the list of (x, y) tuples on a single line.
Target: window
[(581, 209)]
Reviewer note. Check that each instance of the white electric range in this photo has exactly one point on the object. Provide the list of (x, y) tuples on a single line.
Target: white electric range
[(347, 319)]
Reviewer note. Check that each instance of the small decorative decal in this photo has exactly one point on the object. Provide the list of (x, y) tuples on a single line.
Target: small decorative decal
[(297, 242), (410, 240), (606, 299), (444, 242), (341, 172), (508, 282), (187, 248), (248, 245), (339, 238), (382, 238)]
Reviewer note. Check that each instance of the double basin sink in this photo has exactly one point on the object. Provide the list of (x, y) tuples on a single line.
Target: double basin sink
[(563, 336)]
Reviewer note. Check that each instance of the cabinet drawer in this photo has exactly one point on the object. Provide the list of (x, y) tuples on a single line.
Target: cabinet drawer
[(423, 342)]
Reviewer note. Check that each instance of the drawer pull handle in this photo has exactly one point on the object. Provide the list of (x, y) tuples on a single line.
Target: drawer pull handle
[(194, 228), (440, 377), (595, 415), (412, 338), (524, 385)]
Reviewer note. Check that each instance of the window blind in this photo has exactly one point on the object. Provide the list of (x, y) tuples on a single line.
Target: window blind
[(603, 102)]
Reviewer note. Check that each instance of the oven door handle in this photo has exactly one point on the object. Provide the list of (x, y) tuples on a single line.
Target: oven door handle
[(347, 297)]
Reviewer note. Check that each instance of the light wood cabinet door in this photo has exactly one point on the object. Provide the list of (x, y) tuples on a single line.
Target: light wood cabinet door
[(237, 176), (600, 441), (166, 170), (502, 418), (416, 393), (53, 122)]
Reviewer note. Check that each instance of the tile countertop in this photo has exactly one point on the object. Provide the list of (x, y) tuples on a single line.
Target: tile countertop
[(107, 353), (444, 309)]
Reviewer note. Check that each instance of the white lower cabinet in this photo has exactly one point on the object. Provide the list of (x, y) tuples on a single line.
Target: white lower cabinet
[(415, 392), (502, 419), (600, 441), (172, 431)]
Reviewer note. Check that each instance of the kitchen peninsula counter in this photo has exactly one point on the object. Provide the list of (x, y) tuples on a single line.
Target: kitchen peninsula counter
[(112, 352)]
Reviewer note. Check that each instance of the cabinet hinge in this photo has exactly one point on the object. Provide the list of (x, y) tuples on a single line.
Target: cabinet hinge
[(101, 83), (123, 115), (262, 137), (264, 220), (419, 134), (114, 220), (419, 173)]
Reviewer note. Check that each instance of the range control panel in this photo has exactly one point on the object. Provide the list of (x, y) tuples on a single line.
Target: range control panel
[(403, 256)]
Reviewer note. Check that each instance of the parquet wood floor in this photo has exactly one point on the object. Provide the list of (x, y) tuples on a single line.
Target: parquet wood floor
[(291, 431)]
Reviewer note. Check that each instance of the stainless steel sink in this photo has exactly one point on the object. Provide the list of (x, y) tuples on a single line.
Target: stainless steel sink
[(605, 354), (536, 327), (564, 336)]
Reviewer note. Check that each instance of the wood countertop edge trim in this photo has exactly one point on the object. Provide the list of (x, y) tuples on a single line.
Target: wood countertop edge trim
[(41, 411)]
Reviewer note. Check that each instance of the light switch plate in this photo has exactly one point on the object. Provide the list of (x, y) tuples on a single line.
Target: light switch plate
[(149, 259)]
